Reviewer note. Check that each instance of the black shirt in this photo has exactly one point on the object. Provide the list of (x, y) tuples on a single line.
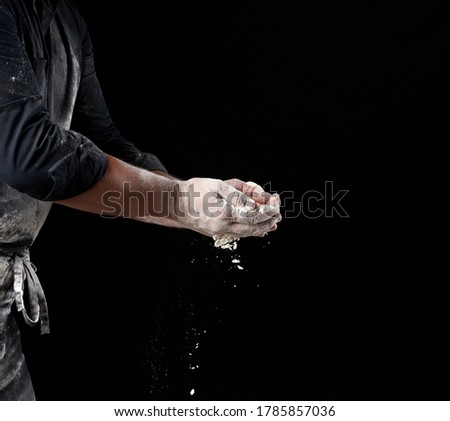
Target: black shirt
[(48, 86)]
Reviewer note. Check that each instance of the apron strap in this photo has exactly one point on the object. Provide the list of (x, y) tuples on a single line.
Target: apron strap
[(25, 278)]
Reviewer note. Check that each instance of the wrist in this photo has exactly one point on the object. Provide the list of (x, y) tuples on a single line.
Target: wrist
[(160, 196), (173, 210), (181, 209)]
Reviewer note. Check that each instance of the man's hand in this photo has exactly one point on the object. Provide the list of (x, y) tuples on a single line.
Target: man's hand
[(257, 193), (251, 189), (214, 207), (209, 206)]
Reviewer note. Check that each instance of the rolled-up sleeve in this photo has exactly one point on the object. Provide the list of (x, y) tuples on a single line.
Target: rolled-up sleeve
[(36, 156)]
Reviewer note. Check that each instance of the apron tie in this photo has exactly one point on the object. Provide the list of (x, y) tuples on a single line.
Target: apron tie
[(26, 280)]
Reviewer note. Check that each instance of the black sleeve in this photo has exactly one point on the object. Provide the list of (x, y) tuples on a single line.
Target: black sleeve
[(92, 118), (37, 157)]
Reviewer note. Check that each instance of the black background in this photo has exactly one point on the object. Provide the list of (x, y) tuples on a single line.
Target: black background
[(327, 308)]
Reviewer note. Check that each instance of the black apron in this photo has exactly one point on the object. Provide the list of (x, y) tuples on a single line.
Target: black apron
[(21, 218)]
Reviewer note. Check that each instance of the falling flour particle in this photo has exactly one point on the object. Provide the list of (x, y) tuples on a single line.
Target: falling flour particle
[(225, 241), (235, 261), (240, 267), (192, 392)]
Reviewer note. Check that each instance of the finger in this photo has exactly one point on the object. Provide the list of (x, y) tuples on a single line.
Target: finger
[(251, 189), (245, 230), (254, 189), (256, 192), (235, 197), (236, 183), (254, 216), (275, 200)]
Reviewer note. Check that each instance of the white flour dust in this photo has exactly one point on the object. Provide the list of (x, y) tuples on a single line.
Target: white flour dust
[(226, 259), (225, 241), (228, 242)]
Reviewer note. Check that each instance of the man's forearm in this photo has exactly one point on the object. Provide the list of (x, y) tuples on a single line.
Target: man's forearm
[(166, 175), (206, 205), (129, 192)]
